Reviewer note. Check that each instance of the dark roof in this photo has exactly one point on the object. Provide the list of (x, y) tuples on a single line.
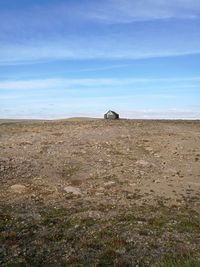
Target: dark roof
[(112, 112)]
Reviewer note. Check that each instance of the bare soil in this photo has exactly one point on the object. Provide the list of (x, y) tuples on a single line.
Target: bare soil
[(99, 193)]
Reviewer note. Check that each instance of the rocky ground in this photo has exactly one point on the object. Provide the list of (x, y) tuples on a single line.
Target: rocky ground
[(100, 193)]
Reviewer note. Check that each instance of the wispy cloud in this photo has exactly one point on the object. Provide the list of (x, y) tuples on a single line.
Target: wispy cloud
[(126, 11), (107, 29), (44, 52), (58, 83)]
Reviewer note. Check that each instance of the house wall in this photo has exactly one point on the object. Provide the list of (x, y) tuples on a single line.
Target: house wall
[(111, 116)]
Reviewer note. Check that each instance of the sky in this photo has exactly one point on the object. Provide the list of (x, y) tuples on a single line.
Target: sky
[(69, 58)]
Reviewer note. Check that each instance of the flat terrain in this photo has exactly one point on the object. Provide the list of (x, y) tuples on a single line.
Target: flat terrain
[(99, 193)]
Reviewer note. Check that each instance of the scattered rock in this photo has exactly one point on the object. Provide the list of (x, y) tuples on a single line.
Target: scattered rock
[(157, 181), (99, 194), (150, 149), (100, 189), (156, 155), (25, 143), (18, 188), (109, 184), (2, 168), (143, 163), (73, 190), (60, 142)]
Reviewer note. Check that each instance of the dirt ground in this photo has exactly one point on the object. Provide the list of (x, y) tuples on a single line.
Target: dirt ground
[(99, 193)]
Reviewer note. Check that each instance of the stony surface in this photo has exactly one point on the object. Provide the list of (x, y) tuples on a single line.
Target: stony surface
[(17, 188), (99, 193)]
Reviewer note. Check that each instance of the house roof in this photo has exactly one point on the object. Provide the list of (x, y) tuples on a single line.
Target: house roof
[(113, 112)]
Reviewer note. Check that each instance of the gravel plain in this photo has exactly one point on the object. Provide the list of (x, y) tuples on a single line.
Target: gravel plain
[(99, 193)]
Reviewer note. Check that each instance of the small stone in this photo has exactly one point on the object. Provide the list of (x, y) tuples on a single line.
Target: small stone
[(2, 168), (100, 188), (99, 194), (18, 188), (73, 190), (132, 184), (60, 142), (143, 162), (26, 143), (108, 184), (156, 181), (148, 148)]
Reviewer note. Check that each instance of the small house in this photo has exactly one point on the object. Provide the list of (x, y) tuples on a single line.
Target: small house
[(111, 115)]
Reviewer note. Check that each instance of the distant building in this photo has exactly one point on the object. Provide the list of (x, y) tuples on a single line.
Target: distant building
[(111, 115)]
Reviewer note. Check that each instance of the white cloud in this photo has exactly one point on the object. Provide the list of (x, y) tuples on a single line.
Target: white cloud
[(126, 11), (23, 54), (56, 83), (68, 84), (81, 31)]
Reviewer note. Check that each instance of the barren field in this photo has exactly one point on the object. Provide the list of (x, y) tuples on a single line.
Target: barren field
[(100, 193)]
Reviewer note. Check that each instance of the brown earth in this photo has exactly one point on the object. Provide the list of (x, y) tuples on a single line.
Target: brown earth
[(99, 193)]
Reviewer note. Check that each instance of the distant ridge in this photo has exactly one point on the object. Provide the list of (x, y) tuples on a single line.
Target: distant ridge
[(78, 119)]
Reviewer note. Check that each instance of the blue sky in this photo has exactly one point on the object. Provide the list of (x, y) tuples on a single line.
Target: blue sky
[(63, 58)]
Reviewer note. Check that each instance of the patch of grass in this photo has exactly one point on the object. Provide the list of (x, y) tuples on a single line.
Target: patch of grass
[(107, 232), (168, 262), (144, 232), (157, 222), (53, 216), (6, 219), (74, 222), (71, 168), (118, 245), (187, 224), (86, 222), (60, 225), (77, 265), (127, 217), (20, 264), (107, 258)]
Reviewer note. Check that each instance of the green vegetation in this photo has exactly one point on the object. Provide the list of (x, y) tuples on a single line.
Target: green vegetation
[(107, 258), (188, 224), (178, 263), (124, 236), (20, 264)]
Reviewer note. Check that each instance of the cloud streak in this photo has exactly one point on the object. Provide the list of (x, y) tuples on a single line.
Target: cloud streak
[(111, 29), (44, 52), (127, 11), (57, 83)]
